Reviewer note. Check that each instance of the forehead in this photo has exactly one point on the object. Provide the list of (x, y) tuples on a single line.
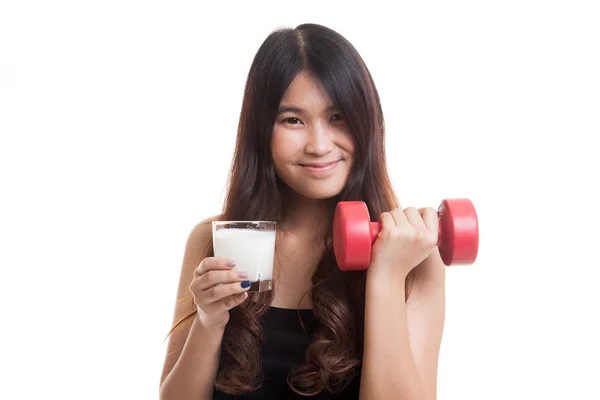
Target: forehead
[(305, 91)]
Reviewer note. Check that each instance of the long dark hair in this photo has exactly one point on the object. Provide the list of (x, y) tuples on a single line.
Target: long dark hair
[(334, 355)]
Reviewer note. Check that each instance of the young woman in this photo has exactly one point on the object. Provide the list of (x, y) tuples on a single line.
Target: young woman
[(311, 134)]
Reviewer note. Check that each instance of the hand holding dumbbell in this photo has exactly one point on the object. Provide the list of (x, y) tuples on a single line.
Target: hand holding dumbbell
[(354, 233)]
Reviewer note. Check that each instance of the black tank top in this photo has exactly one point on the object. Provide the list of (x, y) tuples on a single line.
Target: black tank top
[(284, 347)]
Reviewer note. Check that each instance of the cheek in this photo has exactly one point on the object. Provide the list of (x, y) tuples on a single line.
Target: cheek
[(286, 144), (347, 144), (275, 145), (281, 149)]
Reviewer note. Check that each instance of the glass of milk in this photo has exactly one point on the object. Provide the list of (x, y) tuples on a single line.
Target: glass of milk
[(251, 244)]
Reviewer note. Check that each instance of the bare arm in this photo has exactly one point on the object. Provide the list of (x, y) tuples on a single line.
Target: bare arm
[(192, 359), (195, 372), (402, 339), (426, 312), (388, 369)]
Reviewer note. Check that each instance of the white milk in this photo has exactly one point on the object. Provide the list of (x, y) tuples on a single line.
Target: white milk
[(252, 250)]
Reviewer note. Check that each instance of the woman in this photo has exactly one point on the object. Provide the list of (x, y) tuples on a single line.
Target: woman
[(311, 134)]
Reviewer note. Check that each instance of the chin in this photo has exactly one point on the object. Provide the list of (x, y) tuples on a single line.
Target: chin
[(318, 192), (319, 196), (313, 189)]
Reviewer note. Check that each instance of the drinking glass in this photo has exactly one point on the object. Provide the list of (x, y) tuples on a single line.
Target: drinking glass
[(251, 244)]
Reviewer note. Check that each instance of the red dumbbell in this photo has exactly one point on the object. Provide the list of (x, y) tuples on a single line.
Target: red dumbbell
[(354, 233)]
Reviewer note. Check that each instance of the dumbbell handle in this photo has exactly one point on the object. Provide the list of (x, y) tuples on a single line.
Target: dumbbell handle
[(376, 228)]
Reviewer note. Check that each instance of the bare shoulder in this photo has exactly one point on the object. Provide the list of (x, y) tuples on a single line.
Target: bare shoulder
[(199, 237), (196, 248), (204, 227)]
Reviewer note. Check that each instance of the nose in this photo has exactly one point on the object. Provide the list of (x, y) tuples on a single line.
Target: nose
[(320, 141)]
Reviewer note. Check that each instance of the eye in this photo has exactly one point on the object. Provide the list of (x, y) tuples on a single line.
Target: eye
[(337, 117), (292, 121)]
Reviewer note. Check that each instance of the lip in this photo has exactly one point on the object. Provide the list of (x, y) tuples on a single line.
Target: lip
[(321, 167)]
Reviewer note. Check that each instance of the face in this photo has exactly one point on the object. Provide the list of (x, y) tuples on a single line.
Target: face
[(311, 146)]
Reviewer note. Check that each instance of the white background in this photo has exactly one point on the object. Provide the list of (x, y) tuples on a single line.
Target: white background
[(118, 120)]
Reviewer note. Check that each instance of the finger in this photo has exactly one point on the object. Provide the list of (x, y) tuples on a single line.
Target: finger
[(212, 263), (216, 293), (430, 219), (399, 217), (230, 302), (219, 277), (414, 218), (387, 221)]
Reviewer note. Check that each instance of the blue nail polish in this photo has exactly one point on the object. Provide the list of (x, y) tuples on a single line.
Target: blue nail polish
[(246, 284)]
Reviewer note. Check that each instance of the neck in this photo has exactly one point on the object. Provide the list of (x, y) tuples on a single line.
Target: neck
[(307, 216)]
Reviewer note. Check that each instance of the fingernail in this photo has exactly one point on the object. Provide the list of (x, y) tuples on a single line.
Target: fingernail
[(246, 284), (243, 275), (231, 264)]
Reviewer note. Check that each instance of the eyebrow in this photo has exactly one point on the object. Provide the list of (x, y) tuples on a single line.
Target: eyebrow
[(285, 108)]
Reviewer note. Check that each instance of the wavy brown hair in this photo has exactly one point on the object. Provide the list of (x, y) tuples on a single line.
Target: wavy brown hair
[(255, 192)]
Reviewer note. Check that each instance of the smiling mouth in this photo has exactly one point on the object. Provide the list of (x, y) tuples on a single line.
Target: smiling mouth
[(321, 165), (322, 168)]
